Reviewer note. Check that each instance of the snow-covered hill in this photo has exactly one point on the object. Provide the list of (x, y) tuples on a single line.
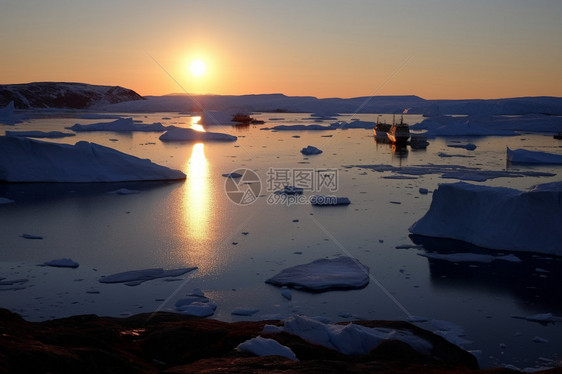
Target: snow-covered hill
[(63, 95)]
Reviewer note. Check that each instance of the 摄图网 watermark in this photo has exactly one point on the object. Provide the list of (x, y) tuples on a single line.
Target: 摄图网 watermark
[(287, 186)]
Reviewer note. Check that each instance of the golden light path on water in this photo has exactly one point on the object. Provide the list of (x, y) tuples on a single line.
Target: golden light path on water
[(196, 200)]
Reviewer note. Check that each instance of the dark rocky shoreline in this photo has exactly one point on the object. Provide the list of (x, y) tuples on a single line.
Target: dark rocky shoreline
[(174, 343)]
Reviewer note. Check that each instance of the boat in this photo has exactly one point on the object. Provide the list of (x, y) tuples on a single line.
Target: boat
[(418, 141), (242, 118), (399, 132), (380, 131)]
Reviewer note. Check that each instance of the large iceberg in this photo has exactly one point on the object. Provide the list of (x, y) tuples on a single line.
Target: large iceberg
[(119, 125), (27, 160), (524, 156), (7, 116), (496, 217)]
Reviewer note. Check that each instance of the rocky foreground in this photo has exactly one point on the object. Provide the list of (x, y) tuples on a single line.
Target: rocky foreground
[(173, 343)]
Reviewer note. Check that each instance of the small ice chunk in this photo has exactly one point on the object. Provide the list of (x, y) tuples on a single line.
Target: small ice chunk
[(538, 339), (29, 236), (271, 329), (266, 347), (4, 200), (310, 150), (198, 309), (185, 134), (244, 311), (139, 276), (321, 200), (423, 191), (61, 263), (286, 294), (124, 191)]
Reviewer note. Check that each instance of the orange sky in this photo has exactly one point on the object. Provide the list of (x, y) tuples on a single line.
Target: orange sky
[(433, 49)]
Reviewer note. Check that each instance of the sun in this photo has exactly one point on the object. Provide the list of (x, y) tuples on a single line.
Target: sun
[(197, 68)]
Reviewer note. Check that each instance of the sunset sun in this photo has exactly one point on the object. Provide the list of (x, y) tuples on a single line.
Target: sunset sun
[(197, 68)]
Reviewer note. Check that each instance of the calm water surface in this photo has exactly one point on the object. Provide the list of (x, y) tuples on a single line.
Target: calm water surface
[(236, 248)]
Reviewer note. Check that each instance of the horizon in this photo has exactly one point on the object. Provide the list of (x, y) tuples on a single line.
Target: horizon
[(439, 51)]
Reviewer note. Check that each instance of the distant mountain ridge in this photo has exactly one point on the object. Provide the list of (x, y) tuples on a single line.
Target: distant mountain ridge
[(63, 95)]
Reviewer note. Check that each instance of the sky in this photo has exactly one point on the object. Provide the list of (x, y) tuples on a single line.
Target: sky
[(435, 49)]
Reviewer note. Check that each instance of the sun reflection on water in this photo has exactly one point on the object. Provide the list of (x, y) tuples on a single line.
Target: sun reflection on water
[(197, 197), (195, 124)]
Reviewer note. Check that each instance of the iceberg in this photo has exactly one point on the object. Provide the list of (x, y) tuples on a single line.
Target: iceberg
[(266, 347), (459, 126), (321, 275), (61, 263), (351, 339), (184, 134), (119, 125), (7, 116), (310, 150), (497, 218), (136, 277), (28, 160), (523, 156)]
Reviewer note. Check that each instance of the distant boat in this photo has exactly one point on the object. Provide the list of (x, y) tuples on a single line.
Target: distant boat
[(380, 131), (418, 141), (399, 132)]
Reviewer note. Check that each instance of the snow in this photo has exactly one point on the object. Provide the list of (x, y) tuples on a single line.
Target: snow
[(350, 339), (184, 134), (310, 150), (28, 160), (324, 275), (470, 257), (496, 217), (136, 277), (523, 156), (266, 347), (40, 134), (61, 263), (321, 200), (119, 125)]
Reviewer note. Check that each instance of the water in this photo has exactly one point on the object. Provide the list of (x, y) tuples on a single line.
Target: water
[(236, 248)]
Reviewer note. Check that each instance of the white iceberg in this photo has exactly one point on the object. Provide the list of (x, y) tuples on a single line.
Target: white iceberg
[(28, 160), (496, 217), (523, 156), (351, 339), (119, 125), (266, 347), (310, 150), (40, 134), (324, 275), (136, 277), (184, 134)]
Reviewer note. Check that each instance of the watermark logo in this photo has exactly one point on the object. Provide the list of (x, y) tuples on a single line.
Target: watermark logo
[(243, 186), (285, 186)]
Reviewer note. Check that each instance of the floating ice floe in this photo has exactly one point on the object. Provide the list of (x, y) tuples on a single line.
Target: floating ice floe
[(496, 217), (61, 263), (468, 146), (266, 347), (12, 284), (232, 175), (196, 304), (300, 128), (324, 275), (469, 257), (28, 160), (30, 236), (40, 134), (460, 126), (523, 156), (290, 190), (443, 154), (136, 277), (450, 331), (355, 124), (244, 311), (184, 134), (124, 191), (542, 318), (119, 125), (310, 150), (327, 200), (5, 200), (351, 339), (453, 171)]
